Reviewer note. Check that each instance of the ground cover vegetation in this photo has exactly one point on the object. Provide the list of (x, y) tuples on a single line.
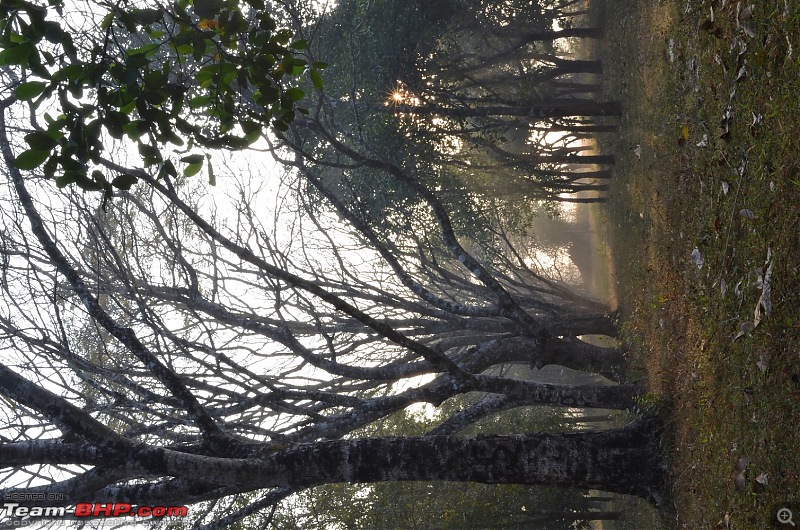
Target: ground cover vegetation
[(706, 209)]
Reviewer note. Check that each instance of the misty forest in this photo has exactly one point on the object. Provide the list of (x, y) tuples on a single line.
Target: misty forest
[(320, 265)]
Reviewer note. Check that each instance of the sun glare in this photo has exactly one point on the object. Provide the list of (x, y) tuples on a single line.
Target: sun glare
[(398, 95), (396, 98)]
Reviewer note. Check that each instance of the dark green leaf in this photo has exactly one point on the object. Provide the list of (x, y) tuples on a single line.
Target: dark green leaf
[(147, 50), (249, 126), (205, 75), (198, 46), (283, 36), (146, 16), (316, 79), (66, 179), (31, 159), (180, 9), (192, 159), (155, 79), (149, 154), (207, 8), (48, 57), (295, 94), (199, 101), (252, 137), (69, 47), (29, 90), (99, 177), (155, 97), (135, 129), (168, 168), (268, 95), (236, 142), (298, 67), (53, 32), (124, 181), (17, 55), (171, 137), (192, 169), (115, 123), (87, 184), (107, 20), (49, 168), (41, 140), (70, 164), (265, 21)]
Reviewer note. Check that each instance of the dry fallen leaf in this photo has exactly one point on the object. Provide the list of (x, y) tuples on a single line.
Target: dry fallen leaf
[(742, 71), (763, 361), (739, 482), (697, 258), (743, 18), (746, 14), (741, 464), (703, 142), (744, 329), (763, 283)]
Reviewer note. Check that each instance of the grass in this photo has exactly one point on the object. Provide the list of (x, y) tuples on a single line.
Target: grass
[(708, 163)]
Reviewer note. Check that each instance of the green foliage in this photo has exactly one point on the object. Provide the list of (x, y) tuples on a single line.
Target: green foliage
[(376, 55), (212, 73)]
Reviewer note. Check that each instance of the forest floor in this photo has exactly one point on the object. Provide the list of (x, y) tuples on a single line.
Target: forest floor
[(706, 215)]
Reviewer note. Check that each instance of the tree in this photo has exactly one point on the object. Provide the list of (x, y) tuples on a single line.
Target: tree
[(463, 94), (239, 341), (196, 392)]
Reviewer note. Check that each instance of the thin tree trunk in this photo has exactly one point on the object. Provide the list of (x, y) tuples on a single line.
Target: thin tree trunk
[(546, 109)]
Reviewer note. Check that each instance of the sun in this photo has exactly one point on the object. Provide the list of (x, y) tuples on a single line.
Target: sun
[(395, 96)]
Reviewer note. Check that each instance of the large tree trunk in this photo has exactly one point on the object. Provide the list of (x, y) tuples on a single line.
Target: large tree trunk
[(622, 461)]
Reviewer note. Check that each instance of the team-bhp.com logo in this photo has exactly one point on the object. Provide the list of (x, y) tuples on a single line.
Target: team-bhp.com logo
[(91, 510)]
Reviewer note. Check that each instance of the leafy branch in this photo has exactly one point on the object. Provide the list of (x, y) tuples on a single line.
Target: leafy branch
[(207, 74)]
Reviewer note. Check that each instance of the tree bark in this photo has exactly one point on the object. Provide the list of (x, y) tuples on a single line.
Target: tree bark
[(621, 461)]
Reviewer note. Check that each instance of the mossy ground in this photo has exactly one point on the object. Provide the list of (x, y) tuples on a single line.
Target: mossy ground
[(709, 163)]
